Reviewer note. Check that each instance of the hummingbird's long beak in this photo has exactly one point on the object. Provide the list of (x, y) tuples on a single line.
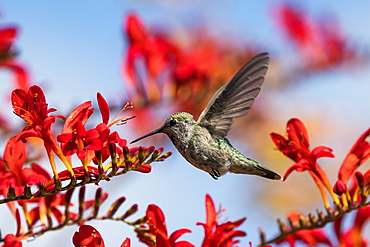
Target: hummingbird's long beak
[(149, 134)]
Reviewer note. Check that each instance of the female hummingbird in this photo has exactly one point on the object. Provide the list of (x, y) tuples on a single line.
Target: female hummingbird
[(203, 143)]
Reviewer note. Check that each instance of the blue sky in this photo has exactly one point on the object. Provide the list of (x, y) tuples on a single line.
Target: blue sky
[(74, 49)]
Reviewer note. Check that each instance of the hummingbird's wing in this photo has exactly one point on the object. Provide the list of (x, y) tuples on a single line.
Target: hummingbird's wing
[(235, 98)]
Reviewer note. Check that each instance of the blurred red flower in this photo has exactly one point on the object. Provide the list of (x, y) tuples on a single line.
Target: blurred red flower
[(31, 106), (216, 234), (153, 50), (163, 70), (353, 236), (7, 56), (320, 42), (11, 241), (155, 234)]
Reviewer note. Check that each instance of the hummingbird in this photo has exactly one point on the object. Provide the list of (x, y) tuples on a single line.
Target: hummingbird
[(203, 143)]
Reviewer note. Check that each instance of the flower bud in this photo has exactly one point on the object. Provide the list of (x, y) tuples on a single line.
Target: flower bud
[(360, 179), (339, 188)]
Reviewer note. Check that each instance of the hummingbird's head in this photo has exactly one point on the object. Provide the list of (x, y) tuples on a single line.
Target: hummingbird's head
[(175, 125)]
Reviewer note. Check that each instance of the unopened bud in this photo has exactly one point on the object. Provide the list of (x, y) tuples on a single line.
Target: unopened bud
[(339, 187), (360, 179)]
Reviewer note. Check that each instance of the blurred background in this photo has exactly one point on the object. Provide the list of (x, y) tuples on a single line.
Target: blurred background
[(169, 56)]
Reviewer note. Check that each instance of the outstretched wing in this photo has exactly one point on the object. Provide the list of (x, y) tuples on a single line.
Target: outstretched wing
[(235, 98)]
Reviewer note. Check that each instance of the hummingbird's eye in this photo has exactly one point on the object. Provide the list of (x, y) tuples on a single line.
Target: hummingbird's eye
[(172, 122)]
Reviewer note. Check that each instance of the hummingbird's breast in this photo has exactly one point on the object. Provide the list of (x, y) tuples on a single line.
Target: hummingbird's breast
[(204, 151)]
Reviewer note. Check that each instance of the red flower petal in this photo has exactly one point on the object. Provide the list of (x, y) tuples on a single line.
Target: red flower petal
[(300, 166), (11, 241), (144, 168), (87, 236), (176, 234), (31, 176), (156, 220), (295, 23), (297, 132), (135, 29), (104, 108), (18, 98), (126, 243), (363, 214), (7, 36), (20, 74), (15, 155), (358, 154), (322, 151), (211, 212), (161, 241), (80, 113)]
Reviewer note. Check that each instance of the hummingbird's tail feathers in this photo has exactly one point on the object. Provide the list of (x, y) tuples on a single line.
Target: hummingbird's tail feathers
[(252, 167)]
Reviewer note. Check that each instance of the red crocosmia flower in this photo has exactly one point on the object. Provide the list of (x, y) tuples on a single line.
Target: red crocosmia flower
[(296, 147), (31, 106), (12, 171), (13, 174), (156, 232), (107, 139), (217, 234), (80, 140), (11, 241), (87, 236), (314, 237), (353, 236), (76, 139), (358, 154)]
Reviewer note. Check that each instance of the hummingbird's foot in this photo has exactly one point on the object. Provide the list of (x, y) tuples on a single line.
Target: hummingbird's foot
[(215, 174)]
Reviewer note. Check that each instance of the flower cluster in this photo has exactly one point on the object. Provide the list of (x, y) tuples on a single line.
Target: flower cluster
[(296, 147), (183, 76), (101, 152), (152, 230)]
